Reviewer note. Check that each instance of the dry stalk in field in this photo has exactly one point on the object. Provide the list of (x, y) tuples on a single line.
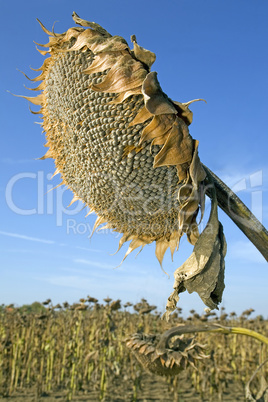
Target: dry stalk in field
[(124, 148)]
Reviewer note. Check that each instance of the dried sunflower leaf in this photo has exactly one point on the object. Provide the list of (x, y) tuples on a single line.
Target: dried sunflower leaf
[(210, 283), (203, 272)]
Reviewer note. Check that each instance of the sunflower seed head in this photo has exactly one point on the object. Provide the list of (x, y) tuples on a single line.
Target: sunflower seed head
[(165, 361)]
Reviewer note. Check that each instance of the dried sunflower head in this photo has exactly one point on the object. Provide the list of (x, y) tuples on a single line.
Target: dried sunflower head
[(120, 144), (171, 359)]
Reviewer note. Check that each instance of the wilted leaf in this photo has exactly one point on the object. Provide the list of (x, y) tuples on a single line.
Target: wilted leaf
[(203, 272)]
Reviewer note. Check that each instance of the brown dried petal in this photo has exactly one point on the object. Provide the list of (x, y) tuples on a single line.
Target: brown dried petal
[(154, 356), (160, 249), (124, 95), (92, 25), (137, 242), (150, 349), (136, 346), (177, 356), (143, 349), (178, 148), (85, 39), (142, 115), (73, 33), (130, 343), (113, 44), (102, 62), (159, 127), (197, 172), (154, 98), (125, 75), (143, 55)]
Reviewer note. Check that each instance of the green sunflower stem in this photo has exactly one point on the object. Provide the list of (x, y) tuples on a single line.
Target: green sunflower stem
[(231, 204), (242, 331), (214, 328)]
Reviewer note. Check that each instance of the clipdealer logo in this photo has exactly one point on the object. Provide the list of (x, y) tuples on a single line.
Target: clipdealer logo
[(49, 200)]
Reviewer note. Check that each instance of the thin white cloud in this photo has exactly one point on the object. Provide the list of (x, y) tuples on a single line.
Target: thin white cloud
[(115, 285), (28, 251), (12, 161), (94, 263), (123, 267), (89, 249), (29, 238), (75, 271)]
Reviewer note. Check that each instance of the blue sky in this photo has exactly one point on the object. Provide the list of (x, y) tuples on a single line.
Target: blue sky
[(216, 50)]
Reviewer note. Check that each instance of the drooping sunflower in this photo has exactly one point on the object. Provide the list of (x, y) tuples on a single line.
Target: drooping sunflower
[(123, 147)]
